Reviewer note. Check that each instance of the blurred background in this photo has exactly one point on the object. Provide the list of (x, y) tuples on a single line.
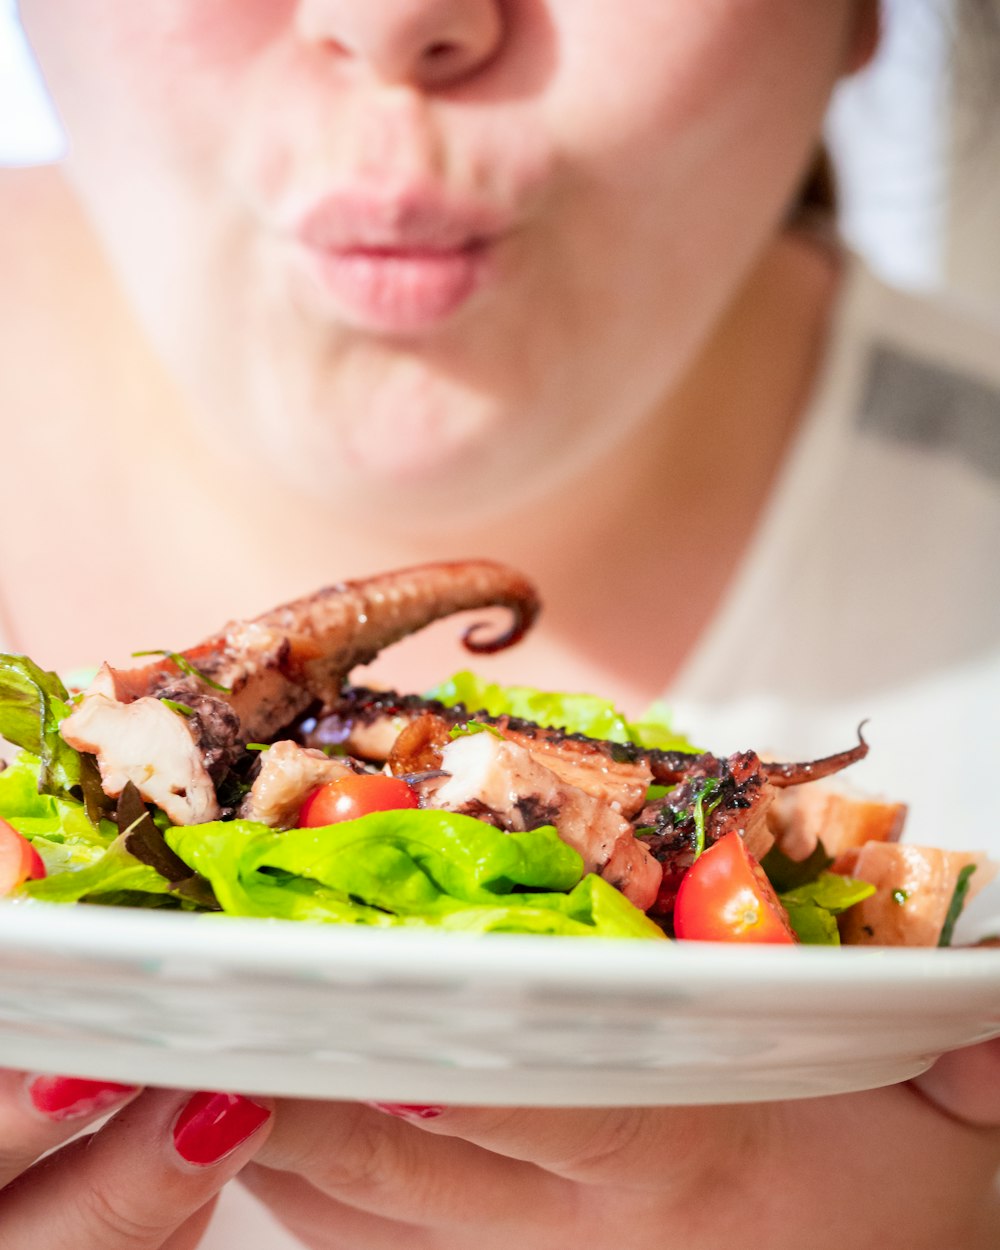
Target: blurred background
[(916, 139)]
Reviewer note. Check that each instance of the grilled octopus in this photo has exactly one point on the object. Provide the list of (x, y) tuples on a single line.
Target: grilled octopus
[(367, 723), (176, 727), (413, 734), (255, 677)]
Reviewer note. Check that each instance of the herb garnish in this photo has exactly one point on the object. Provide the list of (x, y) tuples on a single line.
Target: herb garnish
[(474, 727), (185, 666), (181, 709), (699, 812), (955, 906)]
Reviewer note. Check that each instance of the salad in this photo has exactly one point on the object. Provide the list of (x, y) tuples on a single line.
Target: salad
[(248, 776)]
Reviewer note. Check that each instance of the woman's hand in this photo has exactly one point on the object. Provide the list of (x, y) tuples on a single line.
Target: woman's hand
[(888, 1169), (146, 1180)]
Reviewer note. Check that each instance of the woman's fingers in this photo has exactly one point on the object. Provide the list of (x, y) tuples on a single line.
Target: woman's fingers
[(135, 1182), (39, 1113), (317, 1219), (376, 1163), (966, 1084), (603, 1145), (190, 1233)]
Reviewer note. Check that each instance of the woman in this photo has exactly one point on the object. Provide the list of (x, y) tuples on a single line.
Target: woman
[(427, 278)]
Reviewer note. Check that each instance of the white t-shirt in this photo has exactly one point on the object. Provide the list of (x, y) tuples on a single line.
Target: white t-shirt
[(872, 588)]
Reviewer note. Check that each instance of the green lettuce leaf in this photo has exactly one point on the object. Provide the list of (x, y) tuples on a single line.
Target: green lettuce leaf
[(812, 908), (417, 868), (576, 713), (32, 703), (58, 827), (389, 868), (787, 874), (114, 872)]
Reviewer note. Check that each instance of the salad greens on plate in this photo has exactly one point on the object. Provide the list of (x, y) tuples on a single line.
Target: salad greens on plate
[(386, 868)]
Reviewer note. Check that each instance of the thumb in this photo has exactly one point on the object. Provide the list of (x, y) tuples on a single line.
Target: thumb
[(966, 1084)]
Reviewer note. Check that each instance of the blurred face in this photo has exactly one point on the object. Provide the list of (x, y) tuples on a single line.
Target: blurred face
[(442, 249)]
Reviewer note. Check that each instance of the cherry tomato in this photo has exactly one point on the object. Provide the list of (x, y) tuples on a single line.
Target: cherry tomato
[(357, 795), (19, 861), (725, 896)]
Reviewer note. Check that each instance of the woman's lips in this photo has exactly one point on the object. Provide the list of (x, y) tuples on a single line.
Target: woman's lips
[(400, 289), (401, 264)]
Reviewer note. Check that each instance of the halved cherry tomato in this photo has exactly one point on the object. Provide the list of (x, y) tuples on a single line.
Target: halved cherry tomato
[(19, 861), (725, 896), (357, 795)]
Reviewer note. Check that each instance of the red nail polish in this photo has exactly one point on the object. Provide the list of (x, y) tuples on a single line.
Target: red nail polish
[(211, 1126), (407, 1111), (72, 1098)]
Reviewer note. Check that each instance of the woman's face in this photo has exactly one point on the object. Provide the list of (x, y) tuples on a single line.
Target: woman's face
[(446, 247)]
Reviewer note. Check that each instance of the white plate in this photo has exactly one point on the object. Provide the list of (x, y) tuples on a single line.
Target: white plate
[(276, 1007)]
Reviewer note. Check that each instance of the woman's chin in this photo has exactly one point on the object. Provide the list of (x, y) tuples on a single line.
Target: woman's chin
[(399, 477)]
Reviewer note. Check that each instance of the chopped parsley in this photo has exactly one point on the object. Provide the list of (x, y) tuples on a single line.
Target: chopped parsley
[(181, 709), (186, 667), (699, 811), (955, 906), (475, 727)]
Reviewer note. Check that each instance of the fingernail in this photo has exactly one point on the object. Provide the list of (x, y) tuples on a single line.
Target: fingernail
[(72, 1098), (408, 1111), (211, 1126)]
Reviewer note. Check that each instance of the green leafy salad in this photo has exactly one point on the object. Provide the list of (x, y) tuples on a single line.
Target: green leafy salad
[(419, 867), (64, 840)]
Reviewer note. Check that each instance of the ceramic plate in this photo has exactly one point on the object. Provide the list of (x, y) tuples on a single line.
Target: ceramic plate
[(203, 1001)]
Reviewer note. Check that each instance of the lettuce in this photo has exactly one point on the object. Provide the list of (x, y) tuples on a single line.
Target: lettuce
[(411, 868), (812, 908), (396, 868), (414, 868), (32, 703), (786, 874), (576, 713), (83, 860), (58, 827), (813, 897), (116, 871)]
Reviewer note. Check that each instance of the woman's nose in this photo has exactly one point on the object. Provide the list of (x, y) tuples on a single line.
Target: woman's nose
[(429, 44)]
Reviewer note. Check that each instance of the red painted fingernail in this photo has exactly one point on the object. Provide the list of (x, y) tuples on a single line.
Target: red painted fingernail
[(72, 1098), (407, 1111), (211, 1126)]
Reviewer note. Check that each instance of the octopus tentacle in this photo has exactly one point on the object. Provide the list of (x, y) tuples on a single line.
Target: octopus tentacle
[(332, 632), (366, 720), (489, 646), (317, 640), (258, 676), (371, 724), (815, 770)]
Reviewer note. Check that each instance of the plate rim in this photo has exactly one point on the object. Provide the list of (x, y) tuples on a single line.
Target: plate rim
[(134, 936)]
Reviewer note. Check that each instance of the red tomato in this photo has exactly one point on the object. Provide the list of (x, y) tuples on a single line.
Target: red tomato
[(19, 861), (725, 896), (357, 795)]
